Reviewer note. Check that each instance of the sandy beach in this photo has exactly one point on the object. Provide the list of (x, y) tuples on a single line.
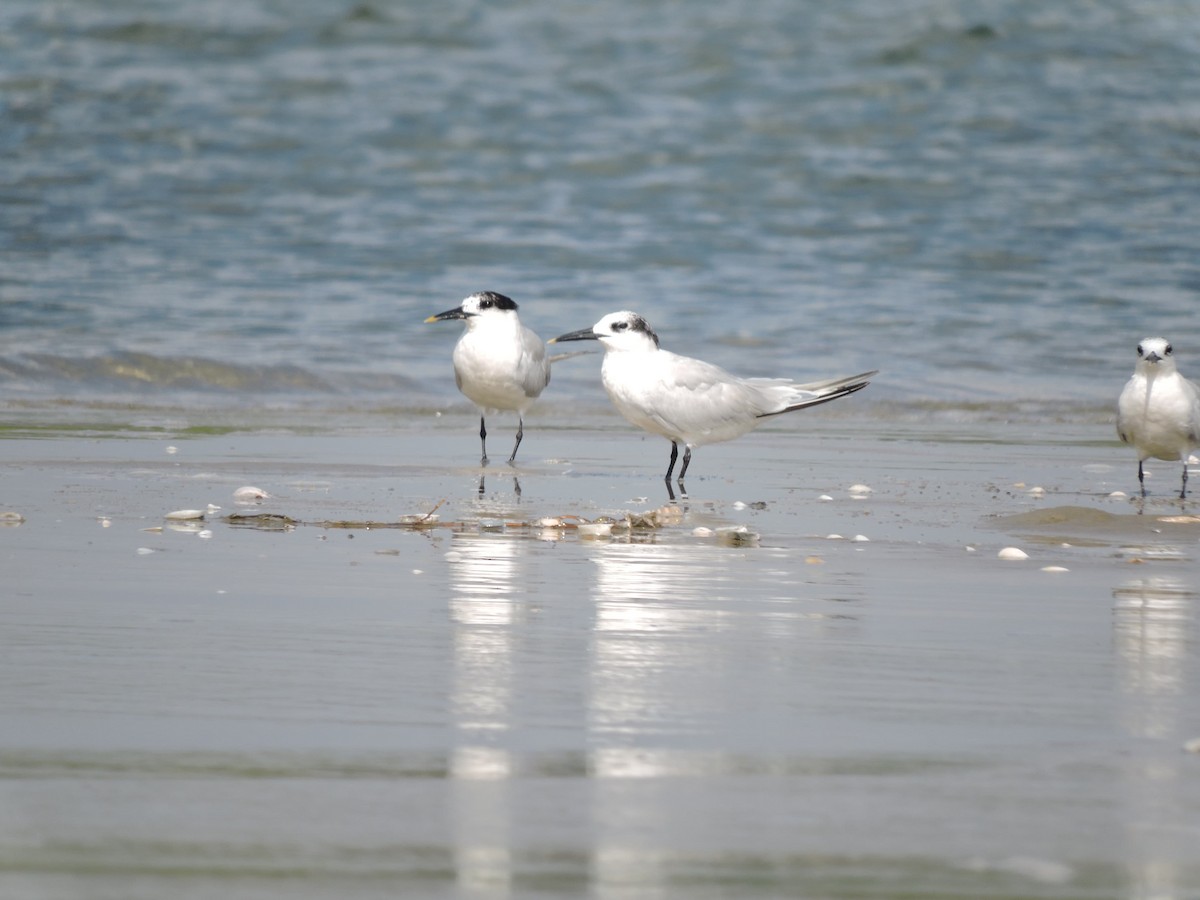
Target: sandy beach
[(381, 681)]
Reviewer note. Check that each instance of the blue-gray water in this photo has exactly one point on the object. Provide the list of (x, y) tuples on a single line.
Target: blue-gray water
[(987, 201), (221, 227)]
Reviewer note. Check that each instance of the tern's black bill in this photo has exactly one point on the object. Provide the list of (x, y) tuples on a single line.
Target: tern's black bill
[(584, 334), (456, 313)]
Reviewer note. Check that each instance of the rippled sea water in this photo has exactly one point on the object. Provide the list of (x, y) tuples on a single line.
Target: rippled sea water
[(988, 204), (221, 228)]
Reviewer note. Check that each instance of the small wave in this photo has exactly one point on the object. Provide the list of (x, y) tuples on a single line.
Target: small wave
[(145, 372)]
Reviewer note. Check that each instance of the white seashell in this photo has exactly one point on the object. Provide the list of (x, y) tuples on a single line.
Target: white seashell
[(172, 449), (549, 522), (595, 529), (736, 536), (738, 504), (1118, 494), (1055, 569), (834, 537), (249, 493), (824, 498), (1013, 553), (861, 537), (144, 551), (8, 517), (1037, 491), (702, 531), (183, 514), (204, 534), (970, 549), (859, 490)]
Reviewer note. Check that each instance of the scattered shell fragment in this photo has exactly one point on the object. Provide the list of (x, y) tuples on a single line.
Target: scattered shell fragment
[(1013, 553), (824, 498), (1037, 492), (10, 518), (859, 490), (814, 560), (655, 518), (172, 449), (595, 529), (184, 514), (861, 538), (1055, 569), (204, 534), (417, 519), (703, 531), (737, 536), (250, 494), (144, 551), (739, 504), (1118, 494), (834, 537)]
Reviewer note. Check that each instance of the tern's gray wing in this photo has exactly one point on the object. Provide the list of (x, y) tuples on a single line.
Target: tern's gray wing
[(1123, 401), (1194, 424), (536, 367)]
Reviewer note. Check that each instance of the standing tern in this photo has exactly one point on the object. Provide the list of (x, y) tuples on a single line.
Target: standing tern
[(688, 400), (1159, 410), (499, 364)]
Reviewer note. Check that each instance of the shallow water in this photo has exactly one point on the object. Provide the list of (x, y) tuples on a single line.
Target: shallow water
[(486, 707)]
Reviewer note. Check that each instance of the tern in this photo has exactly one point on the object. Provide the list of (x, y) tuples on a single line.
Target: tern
[(1159, 410), (499, 364), (687, 400)]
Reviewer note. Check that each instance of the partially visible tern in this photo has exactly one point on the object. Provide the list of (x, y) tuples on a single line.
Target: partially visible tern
[(1159, 410)]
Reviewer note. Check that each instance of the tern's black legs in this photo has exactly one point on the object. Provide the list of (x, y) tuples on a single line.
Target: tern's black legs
[(483, 440), (520, 434), (1182, 484), (674, 456), (687, 461)]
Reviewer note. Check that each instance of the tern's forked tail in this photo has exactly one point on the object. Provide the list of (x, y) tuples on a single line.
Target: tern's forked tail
[(825, 391)]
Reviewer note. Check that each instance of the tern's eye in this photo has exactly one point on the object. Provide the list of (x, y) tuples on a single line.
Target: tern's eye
[(620, 326), (486, 304), (1170, 350), (1141, 352)]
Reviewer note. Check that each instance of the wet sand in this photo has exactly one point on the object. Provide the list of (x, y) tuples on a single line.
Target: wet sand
[(382, 682)]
